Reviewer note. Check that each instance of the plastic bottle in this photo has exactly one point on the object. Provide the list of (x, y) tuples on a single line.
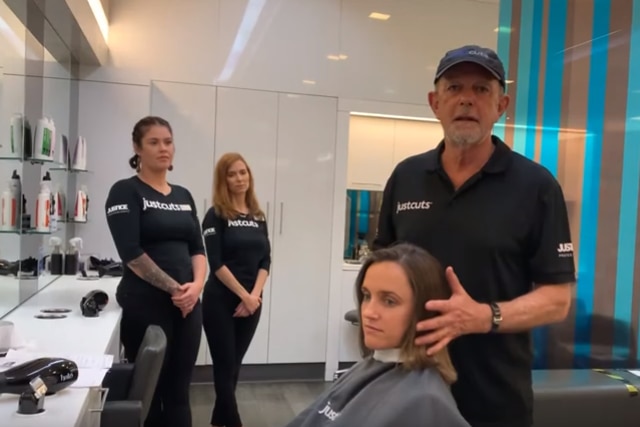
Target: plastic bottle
[(17, 135), (43, 205), (10, 204)]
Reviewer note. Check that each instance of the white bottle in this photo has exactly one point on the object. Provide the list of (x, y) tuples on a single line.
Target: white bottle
[(80, 207), (79, 161), (10, 204), (8, 211), (16, 188), (58, 205), (17, 135), (43, 206)]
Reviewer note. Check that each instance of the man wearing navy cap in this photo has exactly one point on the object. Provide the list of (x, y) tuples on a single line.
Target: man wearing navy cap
[(498, 222)]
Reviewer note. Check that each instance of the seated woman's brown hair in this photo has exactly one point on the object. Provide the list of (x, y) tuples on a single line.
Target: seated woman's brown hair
[(427, 280)]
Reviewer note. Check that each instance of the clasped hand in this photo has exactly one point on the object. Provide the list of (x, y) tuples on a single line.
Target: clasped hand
[(459, 315), (248, 306), (186, 297)]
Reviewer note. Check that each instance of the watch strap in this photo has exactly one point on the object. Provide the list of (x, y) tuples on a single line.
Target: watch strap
[(496, 316)]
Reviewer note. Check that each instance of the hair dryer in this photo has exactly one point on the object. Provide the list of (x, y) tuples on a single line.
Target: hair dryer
[(93, 303), (56, 373)]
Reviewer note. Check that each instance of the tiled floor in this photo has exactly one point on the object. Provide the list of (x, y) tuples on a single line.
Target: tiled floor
[(261, 404)]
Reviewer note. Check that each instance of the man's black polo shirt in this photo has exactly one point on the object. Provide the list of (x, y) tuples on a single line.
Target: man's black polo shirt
[(502, 231)]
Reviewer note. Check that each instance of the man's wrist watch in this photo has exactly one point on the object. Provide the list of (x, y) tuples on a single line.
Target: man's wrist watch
[(496, 316)]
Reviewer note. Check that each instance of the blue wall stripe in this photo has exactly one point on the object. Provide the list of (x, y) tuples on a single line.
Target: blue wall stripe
[(504, 46), (552, 107), (630, 184), (523, 76), (524, 140), (534, 79), (551, 115), (596, 92)]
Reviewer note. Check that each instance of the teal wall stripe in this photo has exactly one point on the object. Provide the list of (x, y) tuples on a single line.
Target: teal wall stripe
[(534, 79), (523, 79), (551, 115), (629, 192), (552, 107), (504, 44), (524, 140), (596, 94)]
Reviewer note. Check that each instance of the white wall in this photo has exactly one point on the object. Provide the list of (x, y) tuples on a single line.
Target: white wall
[(226, 73)]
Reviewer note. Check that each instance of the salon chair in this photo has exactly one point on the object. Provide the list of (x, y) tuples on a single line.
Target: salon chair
[(131, 386), (585, 398), (350, 316)]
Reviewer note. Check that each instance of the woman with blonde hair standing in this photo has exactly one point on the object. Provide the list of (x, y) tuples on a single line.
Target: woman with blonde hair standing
[(239, 255)]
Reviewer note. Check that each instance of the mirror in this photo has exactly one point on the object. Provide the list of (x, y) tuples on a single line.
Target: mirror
[(35, 88)]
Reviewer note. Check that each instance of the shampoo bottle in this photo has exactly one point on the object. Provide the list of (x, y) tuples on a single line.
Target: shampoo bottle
[(17, 135), (10, 204), (57, 257), (81, 205), (79, 161), (59, 204), (72, 256), (8, 211), (43, 205), (44, 141)]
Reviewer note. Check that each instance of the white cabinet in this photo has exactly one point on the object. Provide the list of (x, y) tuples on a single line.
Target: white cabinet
[(289, 142), (349, 346), (247, 123), (377, 145), (304, 196), (370, 159), (414, 137), (191, 111)]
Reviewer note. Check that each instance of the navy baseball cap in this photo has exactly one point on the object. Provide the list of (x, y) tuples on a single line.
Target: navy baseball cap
[(482, 56)]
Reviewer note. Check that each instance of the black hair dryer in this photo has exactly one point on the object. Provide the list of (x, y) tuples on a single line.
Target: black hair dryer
[(93, 303), (56, 373), (36, 379)]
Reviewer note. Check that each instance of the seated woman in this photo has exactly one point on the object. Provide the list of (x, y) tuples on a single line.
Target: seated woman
[(396, 384)]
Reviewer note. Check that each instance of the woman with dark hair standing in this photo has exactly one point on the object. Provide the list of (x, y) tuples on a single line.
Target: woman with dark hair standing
[(239, 254), (157, 234)]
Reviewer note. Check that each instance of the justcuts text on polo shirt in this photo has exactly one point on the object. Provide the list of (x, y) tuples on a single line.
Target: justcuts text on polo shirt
[(422, 205)]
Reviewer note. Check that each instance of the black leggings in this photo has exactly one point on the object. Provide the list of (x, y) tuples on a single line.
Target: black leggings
[(170, 406), (229, 339)]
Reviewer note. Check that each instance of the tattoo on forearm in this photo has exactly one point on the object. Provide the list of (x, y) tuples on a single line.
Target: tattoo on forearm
[(148, 270)]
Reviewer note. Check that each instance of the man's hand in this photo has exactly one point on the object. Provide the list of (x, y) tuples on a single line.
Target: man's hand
[(459, 315), (187, 297)]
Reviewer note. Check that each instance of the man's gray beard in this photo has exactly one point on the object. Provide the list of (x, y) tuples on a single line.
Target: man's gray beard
[(464, 140)]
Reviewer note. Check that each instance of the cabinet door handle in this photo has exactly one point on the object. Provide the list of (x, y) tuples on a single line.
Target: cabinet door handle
[(281, 215)]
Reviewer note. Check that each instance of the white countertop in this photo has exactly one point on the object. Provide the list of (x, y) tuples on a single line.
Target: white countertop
[(73, 334), (9, 294)]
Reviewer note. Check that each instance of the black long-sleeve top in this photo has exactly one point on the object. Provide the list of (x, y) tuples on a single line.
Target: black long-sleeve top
[(165, 227), (241, 244)]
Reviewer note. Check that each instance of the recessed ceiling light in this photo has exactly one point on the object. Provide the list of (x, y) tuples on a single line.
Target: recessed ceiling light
[(337, 57), (342, 56), (309, 82), (379, 16), (509, 81)]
